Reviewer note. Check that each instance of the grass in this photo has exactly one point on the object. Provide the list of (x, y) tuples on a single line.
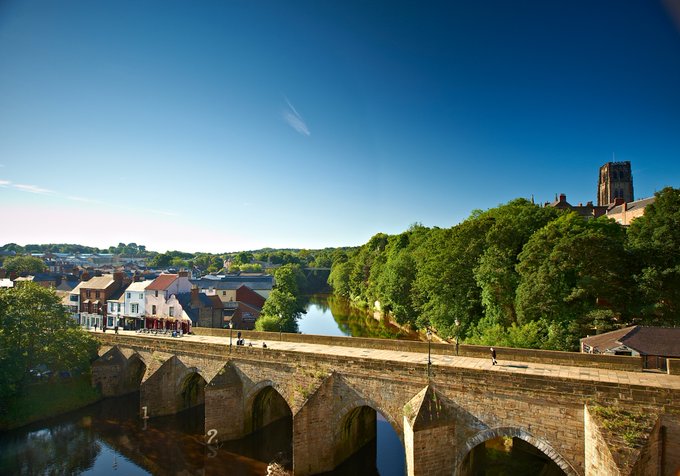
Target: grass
[(44, 400), (633, 427)]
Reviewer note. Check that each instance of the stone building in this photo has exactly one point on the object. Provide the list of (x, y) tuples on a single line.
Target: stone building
[(615, 181)]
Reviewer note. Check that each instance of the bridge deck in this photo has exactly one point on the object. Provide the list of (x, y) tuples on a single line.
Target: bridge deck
[(646, 379)]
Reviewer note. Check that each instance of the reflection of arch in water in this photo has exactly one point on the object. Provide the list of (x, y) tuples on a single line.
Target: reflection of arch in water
[(265, 405), (519, 433), (356, 430), (192, 389)]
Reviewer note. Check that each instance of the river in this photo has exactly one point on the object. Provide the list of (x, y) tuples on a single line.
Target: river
[(109, 438)]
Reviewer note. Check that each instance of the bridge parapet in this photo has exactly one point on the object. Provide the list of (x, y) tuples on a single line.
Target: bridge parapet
[(455, 406), (602, 361)]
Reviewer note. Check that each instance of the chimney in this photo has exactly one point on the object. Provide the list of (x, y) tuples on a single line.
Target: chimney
[(194, 293), (183, 274), (590, 204), (118, 277), (563, 198), (619, 201)]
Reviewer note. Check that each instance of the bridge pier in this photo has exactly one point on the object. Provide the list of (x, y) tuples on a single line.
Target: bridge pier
[(172, 388), (333, 424), (224, 405), (116, 373), (429, 434)]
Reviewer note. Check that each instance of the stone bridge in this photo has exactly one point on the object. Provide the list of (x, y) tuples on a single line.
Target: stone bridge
[(333, 391)]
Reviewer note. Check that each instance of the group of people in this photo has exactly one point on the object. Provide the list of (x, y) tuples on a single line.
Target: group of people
[(104, 327)]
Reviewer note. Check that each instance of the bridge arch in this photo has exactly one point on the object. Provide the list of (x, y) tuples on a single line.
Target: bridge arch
[(354, 403), (264, 403), (513, 432), (136, 368), (191, 387)]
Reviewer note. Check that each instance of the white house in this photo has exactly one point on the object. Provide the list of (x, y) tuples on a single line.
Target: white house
[(134, 301), (157, 295)]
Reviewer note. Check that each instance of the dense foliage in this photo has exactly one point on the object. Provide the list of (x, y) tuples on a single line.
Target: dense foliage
[(523, 275), (37, 333), (285, 303), (23, 265)]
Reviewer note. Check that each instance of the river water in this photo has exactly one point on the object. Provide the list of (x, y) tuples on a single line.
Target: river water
[(109, 438)]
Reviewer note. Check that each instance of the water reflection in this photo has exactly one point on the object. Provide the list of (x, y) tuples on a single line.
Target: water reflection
[(333, 316), (109, 438)]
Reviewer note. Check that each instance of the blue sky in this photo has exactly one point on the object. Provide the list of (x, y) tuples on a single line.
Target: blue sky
[(223, 126)]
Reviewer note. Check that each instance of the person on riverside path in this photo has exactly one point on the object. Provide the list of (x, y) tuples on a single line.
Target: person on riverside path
[(493, 356)]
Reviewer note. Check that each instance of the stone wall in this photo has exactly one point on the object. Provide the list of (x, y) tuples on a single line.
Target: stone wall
[(599, 459), (618, 362), (472, 405)]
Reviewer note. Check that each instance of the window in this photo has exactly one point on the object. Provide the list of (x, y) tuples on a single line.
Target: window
[(129, 295), (171, 311), (88, 293), (134, 308), (97, 295), (153, 310), (224, 293), (141, 295), (74, 297), (156, 293)]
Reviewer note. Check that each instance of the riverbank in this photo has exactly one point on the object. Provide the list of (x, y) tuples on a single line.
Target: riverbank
[(44, 400)]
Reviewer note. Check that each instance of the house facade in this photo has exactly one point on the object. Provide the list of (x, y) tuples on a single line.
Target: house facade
[(94, 295), (135, 304), (161, 305)]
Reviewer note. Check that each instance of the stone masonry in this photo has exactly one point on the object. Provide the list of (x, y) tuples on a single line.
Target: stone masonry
[(440, 418)]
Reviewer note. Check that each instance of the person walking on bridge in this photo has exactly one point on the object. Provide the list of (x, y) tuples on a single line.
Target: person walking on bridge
[(493, 356)]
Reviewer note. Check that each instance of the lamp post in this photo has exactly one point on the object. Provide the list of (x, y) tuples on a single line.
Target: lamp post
[(280, 332), (429, 351), (457, 322), (231, 326)]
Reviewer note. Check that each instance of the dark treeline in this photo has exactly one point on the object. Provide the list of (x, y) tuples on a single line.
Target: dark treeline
[(522, 275)]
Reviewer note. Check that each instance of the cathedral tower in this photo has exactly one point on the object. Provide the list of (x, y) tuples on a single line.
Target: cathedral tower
[(616, 181)]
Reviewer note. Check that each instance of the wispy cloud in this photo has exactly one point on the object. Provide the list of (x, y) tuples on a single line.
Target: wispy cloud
[(159, 212), (43, 191), (82, 199), (31, 189), (294, 119)]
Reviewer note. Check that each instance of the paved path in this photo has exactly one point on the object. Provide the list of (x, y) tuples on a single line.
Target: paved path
[(650, 379)]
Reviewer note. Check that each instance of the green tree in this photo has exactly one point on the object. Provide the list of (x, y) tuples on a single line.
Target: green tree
[(513, 224), (280, 310), (24, 265), (35, 329), (572, 268), (445, 289), (654, 239)]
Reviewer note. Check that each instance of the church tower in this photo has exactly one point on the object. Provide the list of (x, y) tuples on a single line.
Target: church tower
[(616, 181)]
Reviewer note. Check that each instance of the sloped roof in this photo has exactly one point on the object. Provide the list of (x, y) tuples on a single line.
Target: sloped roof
[(663, 341), (98, 282), (117, 296), (138, 286), (162, 282), (637, 204)]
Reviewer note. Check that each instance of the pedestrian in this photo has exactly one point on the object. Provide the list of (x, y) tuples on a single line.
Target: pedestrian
[(493, 356), (95, 326), (115, 329), (238, 335), (104, 327), (264, 345)]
